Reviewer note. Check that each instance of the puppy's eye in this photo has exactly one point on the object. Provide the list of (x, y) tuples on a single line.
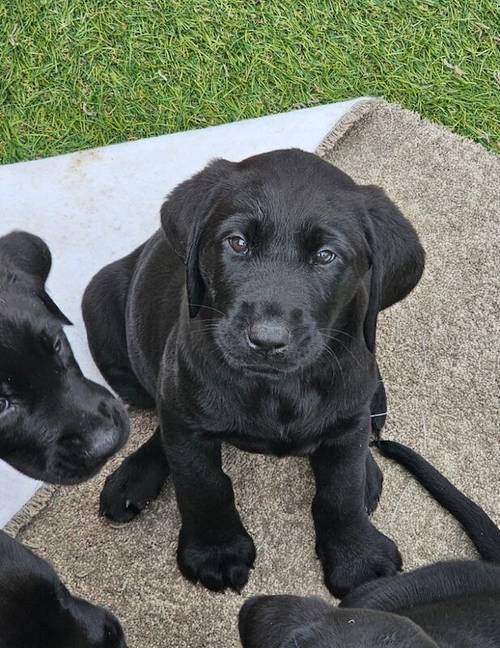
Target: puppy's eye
[(238, 244), (324, 256), (4, 405), (57, 346)]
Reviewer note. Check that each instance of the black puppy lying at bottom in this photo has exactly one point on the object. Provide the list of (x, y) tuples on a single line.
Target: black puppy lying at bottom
[(37, 611), (57, 426), (446, 605)]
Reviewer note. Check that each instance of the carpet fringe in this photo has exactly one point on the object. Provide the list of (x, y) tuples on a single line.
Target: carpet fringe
[(31, 509)]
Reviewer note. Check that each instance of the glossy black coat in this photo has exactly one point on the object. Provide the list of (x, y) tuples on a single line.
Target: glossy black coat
[(169, 325)]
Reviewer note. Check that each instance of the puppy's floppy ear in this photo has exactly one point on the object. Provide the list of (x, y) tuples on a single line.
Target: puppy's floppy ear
[(183, 217), (28, 253), (52, 307), (374, 288), (395, 255)]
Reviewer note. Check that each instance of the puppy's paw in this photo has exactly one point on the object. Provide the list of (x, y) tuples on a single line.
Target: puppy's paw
[(217, 566), (373, 484), (356, 558), (131, 488)]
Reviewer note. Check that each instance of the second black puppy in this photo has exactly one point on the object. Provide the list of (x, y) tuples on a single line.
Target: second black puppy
[(250, 319), (55, 424), (37, 611)]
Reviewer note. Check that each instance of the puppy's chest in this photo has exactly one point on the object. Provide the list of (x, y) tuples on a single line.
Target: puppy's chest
[(271, 420)]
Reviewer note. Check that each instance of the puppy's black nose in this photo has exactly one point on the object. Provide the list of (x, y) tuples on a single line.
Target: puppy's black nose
[(269, 335), (104, 443)]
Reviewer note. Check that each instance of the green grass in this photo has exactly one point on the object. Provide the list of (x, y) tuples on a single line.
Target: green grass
[(81, 73)]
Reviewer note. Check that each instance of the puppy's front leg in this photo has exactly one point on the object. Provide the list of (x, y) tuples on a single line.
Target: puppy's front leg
[(214, 546), (350, 548)]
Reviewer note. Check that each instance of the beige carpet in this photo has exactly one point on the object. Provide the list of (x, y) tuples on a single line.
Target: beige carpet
[(439, 353)]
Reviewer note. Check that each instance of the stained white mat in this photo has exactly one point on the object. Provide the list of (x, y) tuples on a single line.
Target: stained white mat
[(93, 206)]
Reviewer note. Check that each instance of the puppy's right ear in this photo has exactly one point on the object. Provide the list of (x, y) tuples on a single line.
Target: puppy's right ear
[(183, 217), (28, 253)]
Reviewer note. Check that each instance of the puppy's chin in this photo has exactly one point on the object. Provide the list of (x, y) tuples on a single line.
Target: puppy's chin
[(60, 474), (272, 368), (70, 479), (64, 477)]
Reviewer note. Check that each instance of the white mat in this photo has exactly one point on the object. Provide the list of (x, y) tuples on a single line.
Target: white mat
[(94, 206)]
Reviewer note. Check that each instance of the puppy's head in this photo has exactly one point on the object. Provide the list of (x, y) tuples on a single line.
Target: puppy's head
[(35, 603), (55, 425), (297, 622), (276, 247)]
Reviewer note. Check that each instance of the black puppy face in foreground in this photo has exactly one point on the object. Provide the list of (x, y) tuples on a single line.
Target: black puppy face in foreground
[(297, 622), (55, 425), (36, 609), (281, 249)]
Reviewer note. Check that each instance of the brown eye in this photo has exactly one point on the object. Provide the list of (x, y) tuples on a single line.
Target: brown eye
[(324, 256), (58, 345), (238, 244), (4, 405)]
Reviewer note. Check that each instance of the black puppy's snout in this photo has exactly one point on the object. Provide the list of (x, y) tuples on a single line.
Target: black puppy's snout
[(105, 442), (271, 336)]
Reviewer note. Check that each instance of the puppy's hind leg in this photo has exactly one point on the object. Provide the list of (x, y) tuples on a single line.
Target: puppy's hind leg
[(103, 307), (136, 482)]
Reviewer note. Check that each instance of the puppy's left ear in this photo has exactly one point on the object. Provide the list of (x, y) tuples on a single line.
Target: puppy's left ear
[(31, 256), (29, 253), (184, 215), (395, 254)]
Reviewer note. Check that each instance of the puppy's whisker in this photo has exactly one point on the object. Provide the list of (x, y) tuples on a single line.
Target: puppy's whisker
[(205, 330), (333, 330), (333, 355), (332, 337), (216, 310)]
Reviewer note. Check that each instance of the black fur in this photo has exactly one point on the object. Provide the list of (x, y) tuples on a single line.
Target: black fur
[(37, 611), (56, 426), (270, 350), (447, 605)]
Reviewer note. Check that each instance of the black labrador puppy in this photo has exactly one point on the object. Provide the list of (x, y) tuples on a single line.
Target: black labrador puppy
[(57, 426), (445, 605), (37, 611), (250, 319)]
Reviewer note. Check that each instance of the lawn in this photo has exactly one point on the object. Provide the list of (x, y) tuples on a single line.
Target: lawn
[(81, 73)]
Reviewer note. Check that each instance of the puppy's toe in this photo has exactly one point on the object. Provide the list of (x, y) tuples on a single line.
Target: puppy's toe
[(236, 575), (128, 491), (217, 566), (369, 556)]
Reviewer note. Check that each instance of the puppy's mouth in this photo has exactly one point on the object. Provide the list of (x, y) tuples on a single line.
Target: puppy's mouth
[(73, 465), (66, 474), (272, 366)]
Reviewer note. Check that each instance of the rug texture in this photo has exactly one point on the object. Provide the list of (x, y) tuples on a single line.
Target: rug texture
[(438, 352)]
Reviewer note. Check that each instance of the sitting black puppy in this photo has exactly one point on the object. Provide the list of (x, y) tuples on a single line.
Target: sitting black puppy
[(37, 611), (250, 319), (446, 605), (57, 426)]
